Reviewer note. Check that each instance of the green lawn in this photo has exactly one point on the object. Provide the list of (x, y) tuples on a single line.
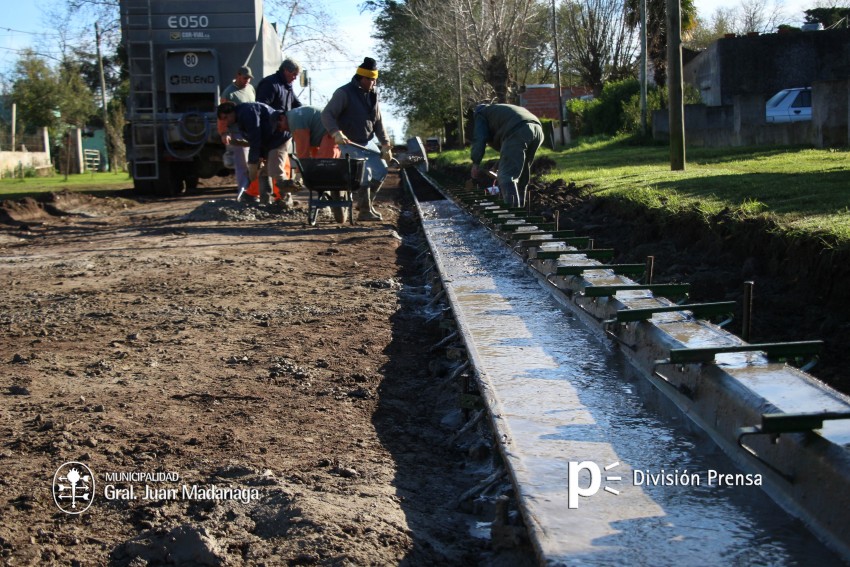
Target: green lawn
[(802, 189), (94, 183)]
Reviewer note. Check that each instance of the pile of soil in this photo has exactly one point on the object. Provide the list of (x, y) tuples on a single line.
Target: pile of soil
[(51, 205)]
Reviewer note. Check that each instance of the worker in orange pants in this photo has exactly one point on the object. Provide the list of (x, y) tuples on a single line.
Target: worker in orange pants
[(310, 137)]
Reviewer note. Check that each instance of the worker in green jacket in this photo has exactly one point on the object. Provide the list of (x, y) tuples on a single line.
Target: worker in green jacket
[(516, 134)]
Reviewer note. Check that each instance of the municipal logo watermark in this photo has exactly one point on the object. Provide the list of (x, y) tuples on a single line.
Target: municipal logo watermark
[(584, 479), (74, 488)]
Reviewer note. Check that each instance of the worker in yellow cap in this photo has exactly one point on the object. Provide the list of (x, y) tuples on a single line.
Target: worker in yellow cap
[(353, 115)]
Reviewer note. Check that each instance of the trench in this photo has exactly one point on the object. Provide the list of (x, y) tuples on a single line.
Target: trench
[(569, 407)]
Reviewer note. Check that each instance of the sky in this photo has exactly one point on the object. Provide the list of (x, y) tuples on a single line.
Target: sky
[(23, 27)]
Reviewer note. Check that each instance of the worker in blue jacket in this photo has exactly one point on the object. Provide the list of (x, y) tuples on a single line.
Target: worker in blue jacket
[(264, 128)]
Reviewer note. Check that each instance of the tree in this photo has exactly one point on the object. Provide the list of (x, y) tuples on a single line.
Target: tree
[(90, 73), (598, 44), (491, 39), (35, 91), (656, 30), (76, 101), (422, 87), (440, 57), (759, 16), (829, 16), (41, 92), (704, 34), (305, 27)]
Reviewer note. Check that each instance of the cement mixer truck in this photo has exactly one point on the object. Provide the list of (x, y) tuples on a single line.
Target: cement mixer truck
[(180, 55)]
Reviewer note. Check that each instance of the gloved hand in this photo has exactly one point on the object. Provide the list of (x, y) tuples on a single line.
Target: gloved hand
[(340, 138), (253, 170), (386, 152), (225, 139)]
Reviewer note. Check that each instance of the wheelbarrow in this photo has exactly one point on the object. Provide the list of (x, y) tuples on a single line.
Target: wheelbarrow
[(330, 183)]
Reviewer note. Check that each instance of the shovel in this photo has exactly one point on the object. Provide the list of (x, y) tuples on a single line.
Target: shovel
[(408, 160)]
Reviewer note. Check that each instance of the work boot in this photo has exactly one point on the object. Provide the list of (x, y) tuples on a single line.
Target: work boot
[(373, 192), (364, 203), (287, 200)]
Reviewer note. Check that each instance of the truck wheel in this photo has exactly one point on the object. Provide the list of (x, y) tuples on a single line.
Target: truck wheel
[(172, 181), (144, 186)]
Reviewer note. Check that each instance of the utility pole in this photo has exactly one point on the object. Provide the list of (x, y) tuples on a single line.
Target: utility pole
[(675, 87), (643, 69), (558, 75), (304, 81), (461, 135), (103, 95)]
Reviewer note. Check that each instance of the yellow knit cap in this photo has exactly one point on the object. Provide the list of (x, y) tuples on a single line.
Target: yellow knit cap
[(369, 68)]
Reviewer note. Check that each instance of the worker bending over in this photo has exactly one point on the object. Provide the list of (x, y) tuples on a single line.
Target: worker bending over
[(309, 134), (263, 128), (516, 134)]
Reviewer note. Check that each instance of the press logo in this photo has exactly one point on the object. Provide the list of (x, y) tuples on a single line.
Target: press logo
[(73, 487), (574, 488)]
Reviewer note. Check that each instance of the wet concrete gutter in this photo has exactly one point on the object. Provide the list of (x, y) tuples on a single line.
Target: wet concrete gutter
[(807, 473), (562, 398)]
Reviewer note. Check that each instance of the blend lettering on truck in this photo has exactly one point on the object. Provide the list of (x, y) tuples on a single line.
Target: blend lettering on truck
[(191, 80), (177, 22)]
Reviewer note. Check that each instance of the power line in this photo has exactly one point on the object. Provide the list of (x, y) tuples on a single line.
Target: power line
[(22, 50), (43, 34)]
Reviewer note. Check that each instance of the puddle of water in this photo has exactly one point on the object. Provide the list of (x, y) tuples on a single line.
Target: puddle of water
[(559, 394)]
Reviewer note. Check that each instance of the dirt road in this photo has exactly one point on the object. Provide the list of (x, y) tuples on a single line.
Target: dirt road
[(244, 388)]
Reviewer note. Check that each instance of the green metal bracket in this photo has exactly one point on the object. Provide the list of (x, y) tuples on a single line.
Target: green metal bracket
[(678, 290), (528, 220), (775, 424), (699, 310), (796, 422), (621, 269), (527, 223), (773, 351), (488, 210), (537, 233), (593, 253), (570, 241)]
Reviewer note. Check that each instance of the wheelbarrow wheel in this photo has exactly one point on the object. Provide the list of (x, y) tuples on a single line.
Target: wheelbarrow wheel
[(340, 213)]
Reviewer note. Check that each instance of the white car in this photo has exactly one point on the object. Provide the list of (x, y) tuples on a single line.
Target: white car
[(790, 105)]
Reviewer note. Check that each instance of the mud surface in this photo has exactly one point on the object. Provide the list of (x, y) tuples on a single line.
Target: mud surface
[(245, 388)]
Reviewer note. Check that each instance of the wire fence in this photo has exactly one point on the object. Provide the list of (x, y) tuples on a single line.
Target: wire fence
[(23, 142)]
